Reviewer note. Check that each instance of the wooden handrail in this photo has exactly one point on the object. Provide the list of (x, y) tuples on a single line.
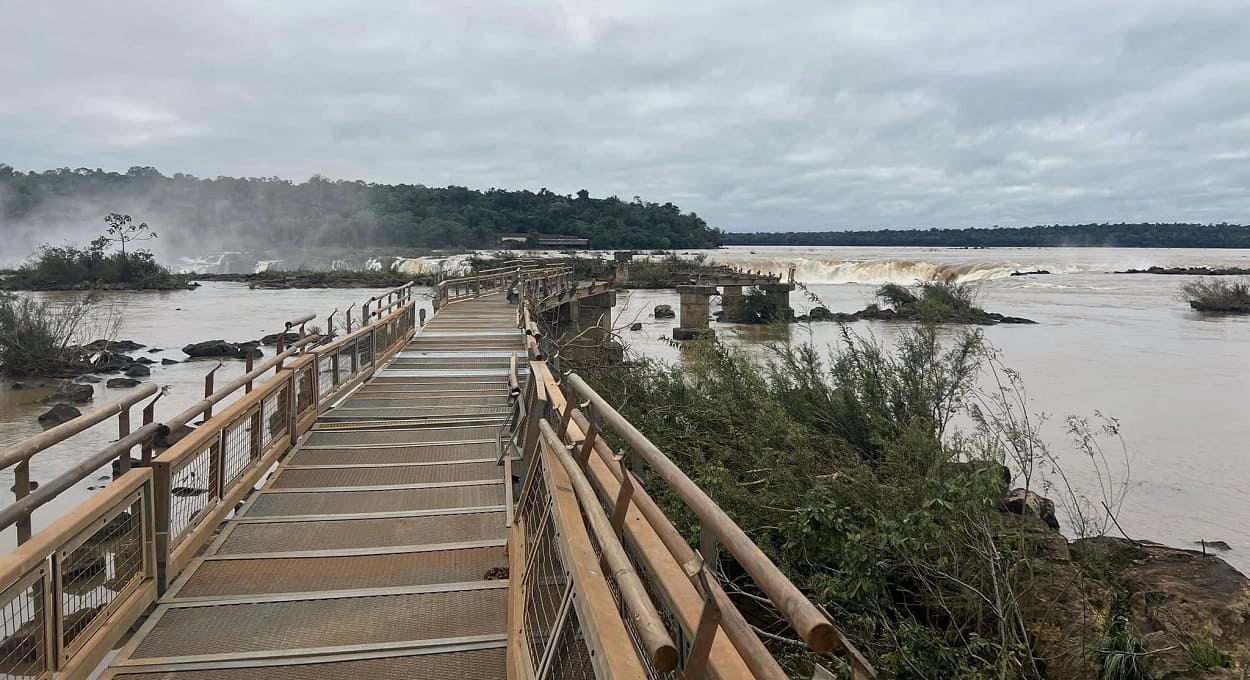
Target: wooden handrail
[(26, 448), (807, 620)]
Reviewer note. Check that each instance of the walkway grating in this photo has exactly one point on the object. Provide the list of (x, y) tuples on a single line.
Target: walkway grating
[(374, 549)]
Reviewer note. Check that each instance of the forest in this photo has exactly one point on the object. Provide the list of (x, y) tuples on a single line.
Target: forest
[(1142, 235), (273, 212)]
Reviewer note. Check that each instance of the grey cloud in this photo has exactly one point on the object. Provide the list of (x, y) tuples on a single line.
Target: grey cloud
[(796, 115)]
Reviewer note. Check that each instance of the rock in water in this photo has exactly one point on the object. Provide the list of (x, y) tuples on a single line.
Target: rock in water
[(88, 379), (168, 362), (664, 312), (820, 314), (636, 326), (71, 392), (272, 338), (138, 371), (61, 413), (211, 348), (122, 383)]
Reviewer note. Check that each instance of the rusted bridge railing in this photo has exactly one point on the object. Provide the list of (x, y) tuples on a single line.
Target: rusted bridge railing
[(69, 592)]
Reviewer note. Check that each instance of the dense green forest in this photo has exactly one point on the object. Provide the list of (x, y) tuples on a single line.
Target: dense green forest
[(1144, 235), (273, 212)]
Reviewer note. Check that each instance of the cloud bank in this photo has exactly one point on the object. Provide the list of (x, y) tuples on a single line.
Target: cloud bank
[(756, 115)]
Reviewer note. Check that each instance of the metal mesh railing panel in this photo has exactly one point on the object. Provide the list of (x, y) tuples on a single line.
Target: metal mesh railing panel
[(382, 476), (325, 375), (547, 585), (93, 575), (23, 650), (193, 490), (478, 664), (396, 454), (223, 578), (354, 502), (299, 624), (237, 449), (570, 657), (363, 533), (274, 417), (304, 389)]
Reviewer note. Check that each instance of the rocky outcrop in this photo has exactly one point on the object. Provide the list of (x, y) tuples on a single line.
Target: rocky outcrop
[(122, 346), (222, 349), (1024, 502), (664, 312), (1191, 271), (57, 415), (71, 392), (272, 339)]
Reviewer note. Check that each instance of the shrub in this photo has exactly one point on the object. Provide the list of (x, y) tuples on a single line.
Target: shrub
[(1203, 654), (1218, 295), (35, 334)]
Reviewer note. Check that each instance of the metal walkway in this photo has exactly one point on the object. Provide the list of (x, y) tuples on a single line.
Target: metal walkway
[(375, 548)]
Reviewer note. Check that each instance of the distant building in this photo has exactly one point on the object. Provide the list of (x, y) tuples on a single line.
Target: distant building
[(561, 241), (513, 238)]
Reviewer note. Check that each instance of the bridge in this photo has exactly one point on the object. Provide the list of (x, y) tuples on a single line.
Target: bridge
[(417, 498)]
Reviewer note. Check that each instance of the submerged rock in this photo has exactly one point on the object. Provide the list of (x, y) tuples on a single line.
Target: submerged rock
[(113, 346), (222, 349), (71, 392), (57, 415), (122, 383), (169, 362), (88, 379), (636, 326), (138, 371)]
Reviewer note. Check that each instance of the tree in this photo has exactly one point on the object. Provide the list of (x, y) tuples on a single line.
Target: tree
[(123, 230)]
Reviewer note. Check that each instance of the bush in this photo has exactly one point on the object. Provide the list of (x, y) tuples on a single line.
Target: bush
[(1218, 295), (35, 335)]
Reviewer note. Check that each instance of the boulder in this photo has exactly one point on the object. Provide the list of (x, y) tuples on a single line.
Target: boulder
[(820, 314), (664, 312), (145, 361), (88, 379), (138, 371), (272, 338), (109, 362), (113, 346), (168, 362), (636, 326), (222, 349), (57, 415), (71, 392), (1023, 502), (122, 383)]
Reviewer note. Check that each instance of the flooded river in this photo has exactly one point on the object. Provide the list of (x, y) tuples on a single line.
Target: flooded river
[(1126, 345)]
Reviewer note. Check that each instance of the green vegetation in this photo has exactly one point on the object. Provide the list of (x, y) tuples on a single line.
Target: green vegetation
[(309, 278), (1218, 295), (1124, 658), (36, 336), (1203, 653), (1142, 235), (278, 213), (70, 267)]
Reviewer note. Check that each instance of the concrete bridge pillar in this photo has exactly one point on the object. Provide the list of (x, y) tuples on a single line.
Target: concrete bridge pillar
[(731, 303), (623, 261), (594, 316), (695, 307), (778, 297)]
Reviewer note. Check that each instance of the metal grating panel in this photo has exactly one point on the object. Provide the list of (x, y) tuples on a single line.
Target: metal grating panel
[(344, 502), (383, 476), (398, 436), (363, 533), (478, 664), (299, 624), (439, 399), (458, 412), (226, 578), (396, 454)]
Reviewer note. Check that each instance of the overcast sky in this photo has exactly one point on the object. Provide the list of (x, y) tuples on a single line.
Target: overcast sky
[(756, 115)]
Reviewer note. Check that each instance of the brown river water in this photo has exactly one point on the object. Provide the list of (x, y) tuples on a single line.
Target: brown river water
[(1126, 345)]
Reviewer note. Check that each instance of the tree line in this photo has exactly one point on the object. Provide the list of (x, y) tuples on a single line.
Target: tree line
[(1105, 235), (275, 212)]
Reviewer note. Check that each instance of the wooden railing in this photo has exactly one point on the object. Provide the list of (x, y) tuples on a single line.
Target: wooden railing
[(528, 280), (71, 591), (559, 439)]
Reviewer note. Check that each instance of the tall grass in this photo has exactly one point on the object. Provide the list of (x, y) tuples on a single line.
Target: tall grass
[(1218, 295)]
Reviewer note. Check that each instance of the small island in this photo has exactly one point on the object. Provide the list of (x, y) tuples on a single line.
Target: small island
[(1216, 295)]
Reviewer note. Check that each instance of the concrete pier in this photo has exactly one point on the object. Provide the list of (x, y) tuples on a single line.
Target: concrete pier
[(778, 297), (731, 303), (695, 309)]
